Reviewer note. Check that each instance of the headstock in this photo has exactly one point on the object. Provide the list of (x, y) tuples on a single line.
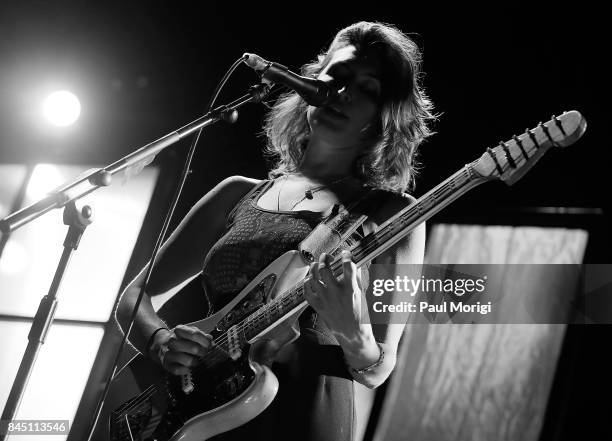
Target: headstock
[(510, 160)]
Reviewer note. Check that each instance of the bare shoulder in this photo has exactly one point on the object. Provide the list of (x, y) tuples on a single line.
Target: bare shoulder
[(238, 183), (231, 188), (223, 197)]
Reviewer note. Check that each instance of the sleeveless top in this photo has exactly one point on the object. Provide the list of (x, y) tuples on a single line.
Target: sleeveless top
[(315, 397), (254, 237)]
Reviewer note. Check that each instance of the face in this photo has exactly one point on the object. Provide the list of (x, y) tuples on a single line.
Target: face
[(351, 118)]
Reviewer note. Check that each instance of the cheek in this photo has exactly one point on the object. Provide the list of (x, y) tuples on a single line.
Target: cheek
[(369, 117)]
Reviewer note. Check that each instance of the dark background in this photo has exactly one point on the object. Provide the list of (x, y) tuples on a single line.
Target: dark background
[(143, 69)]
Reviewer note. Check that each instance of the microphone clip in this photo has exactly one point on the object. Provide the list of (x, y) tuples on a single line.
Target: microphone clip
[(259, 91)]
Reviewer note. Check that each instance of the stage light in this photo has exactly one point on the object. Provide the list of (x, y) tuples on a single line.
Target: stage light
[(61, 108)]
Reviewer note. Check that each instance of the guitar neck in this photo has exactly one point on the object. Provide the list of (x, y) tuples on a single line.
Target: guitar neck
[(400, 225)]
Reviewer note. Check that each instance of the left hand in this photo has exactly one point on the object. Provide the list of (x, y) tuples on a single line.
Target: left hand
[(339, 302)]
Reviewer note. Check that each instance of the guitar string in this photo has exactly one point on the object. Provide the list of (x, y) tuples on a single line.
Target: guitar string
[(147, 393), (131, 409), (126, 414), (390, 229), (139, 401)]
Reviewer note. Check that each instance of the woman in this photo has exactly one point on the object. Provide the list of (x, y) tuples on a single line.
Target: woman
[(364, 140)]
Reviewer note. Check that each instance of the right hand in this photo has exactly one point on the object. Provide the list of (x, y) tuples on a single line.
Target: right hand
[(179, 349)]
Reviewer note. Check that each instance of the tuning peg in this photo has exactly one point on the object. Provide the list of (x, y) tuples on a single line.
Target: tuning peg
[(533, 138), (508, 155), (518, 142), (547, 133), (491, 153), (559, 125)]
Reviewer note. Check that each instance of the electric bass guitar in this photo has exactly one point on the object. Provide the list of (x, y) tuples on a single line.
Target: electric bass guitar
[(233, 383)]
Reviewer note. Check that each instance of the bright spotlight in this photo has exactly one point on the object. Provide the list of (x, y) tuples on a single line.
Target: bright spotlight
[(61, 108)]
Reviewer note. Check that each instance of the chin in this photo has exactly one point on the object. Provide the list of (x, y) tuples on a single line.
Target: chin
[(325, 126)]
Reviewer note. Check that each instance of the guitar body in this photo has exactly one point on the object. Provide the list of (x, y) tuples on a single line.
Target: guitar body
[(232, 386)]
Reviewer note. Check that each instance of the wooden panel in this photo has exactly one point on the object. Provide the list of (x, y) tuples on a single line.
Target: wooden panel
[(481, 381)]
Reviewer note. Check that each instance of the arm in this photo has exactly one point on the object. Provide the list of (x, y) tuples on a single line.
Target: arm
[(410, 250), (180, 258), (339, 303)]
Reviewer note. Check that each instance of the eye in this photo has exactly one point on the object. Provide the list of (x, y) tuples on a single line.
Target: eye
[(338, 72)]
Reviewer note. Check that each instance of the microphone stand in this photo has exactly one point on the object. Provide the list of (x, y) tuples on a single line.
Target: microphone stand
[(66, 196)]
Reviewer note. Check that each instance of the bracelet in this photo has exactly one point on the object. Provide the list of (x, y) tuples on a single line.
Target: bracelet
[(150, 341), (378, 362)]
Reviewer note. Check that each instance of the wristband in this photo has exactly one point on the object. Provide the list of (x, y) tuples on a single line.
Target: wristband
[(152, 337), (378, 362)]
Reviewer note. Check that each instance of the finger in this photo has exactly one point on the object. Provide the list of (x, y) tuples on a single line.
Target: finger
[(314, 270), (161, 353), (349, 269), (194, 334), (177, 369), (187, 346), (310, 294), (359, 277), (309, 290), (180, 358), (324, 270)]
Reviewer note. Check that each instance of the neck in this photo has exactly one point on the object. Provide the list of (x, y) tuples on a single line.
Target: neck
[(324, 161)]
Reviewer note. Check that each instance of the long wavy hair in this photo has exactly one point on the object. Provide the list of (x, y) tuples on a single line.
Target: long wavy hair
[(390, 162)]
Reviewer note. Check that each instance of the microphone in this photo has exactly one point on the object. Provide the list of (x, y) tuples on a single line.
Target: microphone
[(315, 92)]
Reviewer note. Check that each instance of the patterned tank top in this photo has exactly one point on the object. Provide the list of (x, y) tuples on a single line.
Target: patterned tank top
[(254, 237)]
